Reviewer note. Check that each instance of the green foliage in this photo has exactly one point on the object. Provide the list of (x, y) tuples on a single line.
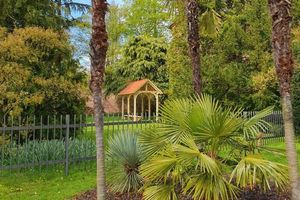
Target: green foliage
[(34, 152), (186, 153), (238, 65), (151, 24), (54, 14), (178, 62), (38, 74), (124, 159), (296, 78), (142, 57)]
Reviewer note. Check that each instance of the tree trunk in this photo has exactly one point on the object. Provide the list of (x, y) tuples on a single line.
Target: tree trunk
[(281, 43), (98, 49), (192, 14)]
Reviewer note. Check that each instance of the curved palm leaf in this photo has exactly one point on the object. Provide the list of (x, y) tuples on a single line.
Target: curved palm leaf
[(210, 187), (161, 167), (152, 142), (253, 170), (189, 154), (174, 117), (257, 123), (160, 192)]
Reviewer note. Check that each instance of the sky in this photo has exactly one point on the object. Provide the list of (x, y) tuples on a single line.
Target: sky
[(85, 60)]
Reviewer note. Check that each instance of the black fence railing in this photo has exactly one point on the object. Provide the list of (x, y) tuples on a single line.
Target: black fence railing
[(40, 142)]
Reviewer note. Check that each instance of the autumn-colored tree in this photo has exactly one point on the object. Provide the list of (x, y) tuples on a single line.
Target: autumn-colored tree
[(38, 75), (281, 41), (99, 46)]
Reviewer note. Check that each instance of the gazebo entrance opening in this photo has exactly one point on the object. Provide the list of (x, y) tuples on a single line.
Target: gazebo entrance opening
[(142, 91)]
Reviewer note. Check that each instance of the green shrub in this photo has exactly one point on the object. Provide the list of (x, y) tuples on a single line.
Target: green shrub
[(41, 151)]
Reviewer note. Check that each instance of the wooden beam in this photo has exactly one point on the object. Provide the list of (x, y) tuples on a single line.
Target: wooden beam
[(157, 105), (134, 107), (142, 106), (128, 105), (149, 107), (122, 107)]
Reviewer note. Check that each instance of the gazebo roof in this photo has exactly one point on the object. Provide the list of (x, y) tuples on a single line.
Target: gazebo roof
[(135, 86)]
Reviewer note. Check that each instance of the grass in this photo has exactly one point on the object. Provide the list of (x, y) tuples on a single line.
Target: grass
[(54, 185), (44, 186), (280, 146)]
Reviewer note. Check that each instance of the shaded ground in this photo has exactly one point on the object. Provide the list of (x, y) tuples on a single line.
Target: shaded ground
[(255, 194)]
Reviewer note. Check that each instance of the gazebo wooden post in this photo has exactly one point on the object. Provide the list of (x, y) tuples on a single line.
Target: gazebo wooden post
[(157, 106), (128, 106), (134, 107), (149, 107), (142, 106), (122, 107)]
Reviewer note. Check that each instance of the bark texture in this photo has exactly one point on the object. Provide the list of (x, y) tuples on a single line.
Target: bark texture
[(281, 43), (98, 50), (192, 14)]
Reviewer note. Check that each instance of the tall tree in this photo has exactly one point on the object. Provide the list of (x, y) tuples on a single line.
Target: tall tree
[(200, 17), (281, 42), (192, 15), (99, 46)]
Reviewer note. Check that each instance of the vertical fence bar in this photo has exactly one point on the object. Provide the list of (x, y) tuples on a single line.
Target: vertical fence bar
[(26, 141), (41, 135), (61, 128), (3, 141), (18, 141), (11, 143), (80, 139), (34, 142), (67, 145), (48, 143)]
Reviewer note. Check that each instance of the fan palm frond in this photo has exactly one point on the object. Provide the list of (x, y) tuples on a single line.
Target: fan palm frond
[(160, 192), (256, 123), (252, 170), (210, 187)]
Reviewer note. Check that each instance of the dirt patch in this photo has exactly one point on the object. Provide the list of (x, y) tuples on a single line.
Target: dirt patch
[(248, 194), (91, 195), (257, 194)]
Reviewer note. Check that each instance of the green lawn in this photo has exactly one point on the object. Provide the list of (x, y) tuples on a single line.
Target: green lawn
[(54, 185), (281, 147), (44, 186)]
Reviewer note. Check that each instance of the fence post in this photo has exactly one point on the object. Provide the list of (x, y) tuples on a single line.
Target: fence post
[(67, 145)]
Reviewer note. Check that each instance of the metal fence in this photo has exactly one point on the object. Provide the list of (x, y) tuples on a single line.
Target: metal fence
[(40, 142)]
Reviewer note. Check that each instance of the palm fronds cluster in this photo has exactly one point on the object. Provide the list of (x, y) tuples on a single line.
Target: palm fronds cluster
[(199, 149)]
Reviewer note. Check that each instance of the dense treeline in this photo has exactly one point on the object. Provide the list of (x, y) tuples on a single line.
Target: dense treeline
[(38, 72), (236, 59)]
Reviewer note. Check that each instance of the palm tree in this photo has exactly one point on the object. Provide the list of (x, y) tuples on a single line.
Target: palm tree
[(197, 12), (98, 46), (185, 154), (192, 16), (281, 41)]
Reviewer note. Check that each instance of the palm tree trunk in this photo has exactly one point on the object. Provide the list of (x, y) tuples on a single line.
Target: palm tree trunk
[(192, 14), (98, 48), (281, 42)]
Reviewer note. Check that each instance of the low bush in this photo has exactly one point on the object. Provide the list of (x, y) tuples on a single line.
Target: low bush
[(46, 150)]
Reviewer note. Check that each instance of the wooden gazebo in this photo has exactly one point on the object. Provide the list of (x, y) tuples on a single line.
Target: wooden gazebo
[(143, 88)]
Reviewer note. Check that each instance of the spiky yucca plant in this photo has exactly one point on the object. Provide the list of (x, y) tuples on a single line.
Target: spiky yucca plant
[(186, 153), (124, 160)]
